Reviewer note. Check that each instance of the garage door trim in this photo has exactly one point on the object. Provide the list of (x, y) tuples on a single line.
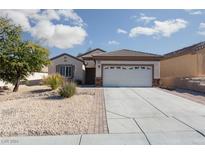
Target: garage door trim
[(151, 65)]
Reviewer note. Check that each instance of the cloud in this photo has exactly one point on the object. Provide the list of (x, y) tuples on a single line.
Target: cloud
[(71, 15), (202, 25), (201, 29), (60, 36), (194, 12), (141, 31), (54, 28), (121, 31), (19, 17), (146, 19), (161, 28), (113, 42)]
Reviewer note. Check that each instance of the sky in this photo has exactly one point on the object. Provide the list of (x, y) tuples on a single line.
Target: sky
[(77, 31)]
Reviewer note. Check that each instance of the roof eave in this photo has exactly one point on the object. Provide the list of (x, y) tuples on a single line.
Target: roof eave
[(128, 58), (66, 54), (83, 54)]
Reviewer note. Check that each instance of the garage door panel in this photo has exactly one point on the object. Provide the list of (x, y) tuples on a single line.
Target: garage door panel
[(129, 76)]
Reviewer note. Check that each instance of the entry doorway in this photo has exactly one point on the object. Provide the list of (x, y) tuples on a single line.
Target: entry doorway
[(90, 76)]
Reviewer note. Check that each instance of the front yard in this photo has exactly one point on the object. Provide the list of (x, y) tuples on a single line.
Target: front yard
[(37, 111)]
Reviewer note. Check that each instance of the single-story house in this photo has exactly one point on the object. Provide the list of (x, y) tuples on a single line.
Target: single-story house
[(117, 68), (131, 68), (183, 68)]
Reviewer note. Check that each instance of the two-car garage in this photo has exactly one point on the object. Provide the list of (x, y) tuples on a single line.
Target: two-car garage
[(127, 68), (128, 75)]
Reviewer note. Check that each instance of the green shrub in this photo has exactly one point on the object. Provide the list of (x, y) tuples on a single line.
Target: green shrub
[(54, 81), (67, 90)]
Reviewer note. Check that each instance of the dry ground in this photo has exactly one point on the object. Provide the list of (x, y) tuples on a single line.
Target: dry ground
[(38, 111)]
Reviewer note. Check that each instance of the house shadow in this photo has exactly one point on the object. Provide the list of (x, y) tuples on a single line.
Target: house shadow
[(191, 92), (40, 91), (55, 97)]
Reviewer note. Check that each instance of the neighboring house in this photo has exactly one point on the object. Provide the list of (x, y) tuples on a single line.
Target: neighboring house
[(117, 68), (70, 67), (188, 62)]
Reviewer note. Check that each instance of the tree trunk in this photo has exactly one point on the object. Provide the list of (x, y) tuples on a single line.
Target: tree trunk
[(16, 87)]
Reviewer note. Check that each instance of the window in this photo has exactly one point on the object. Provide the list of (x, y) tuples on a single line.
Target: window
[(118, 67), (142, 67), (112, 67), (65, 70), (136, 67)]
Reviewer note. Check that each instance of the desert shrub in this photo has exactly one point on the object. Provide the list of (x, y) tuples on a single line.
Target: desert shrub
[(54, 81), (67, 90)]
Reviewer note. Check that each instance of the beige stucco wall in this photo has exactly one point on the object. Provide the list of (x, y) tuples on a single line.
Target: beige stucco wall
[(89, 63), (79, 67), (174, 69), (201, 62), (184, 66), (155, 63)]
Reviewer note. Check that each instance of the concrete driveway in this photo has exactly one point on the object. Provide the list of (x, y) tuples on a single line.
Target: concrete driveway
[(139, 116), (150, 116)]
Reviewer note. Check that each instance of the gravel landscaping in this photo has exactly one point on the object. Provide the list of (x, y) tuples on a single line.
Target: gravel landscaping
[(38, 111)]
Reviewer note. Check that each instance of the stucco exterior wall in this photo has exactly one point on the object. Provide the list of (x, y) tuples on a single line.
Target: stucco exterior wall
[(175, 69), (79, 71), (155, 63), (89, 63), (192, 64), (201, 62), (181, 66)]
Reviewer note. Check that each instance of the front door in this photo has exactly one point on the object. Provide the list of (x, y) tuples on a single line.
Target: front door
[(90, 76)]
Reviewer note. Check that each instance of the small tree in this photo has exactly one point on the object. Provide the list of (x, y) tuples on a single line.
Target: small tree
[(18, 58)]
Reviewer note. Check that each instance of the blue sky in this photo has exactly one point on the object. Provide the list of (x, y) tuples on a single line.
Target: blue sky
[(155, 31)]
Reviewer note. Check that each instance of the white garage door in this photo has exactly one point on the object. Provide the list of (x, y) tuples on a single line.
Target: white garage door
[(128, 76)]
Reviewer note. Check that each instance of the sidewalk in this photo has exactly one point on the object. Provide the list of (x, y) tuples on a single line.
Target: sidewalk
[(99, 139)]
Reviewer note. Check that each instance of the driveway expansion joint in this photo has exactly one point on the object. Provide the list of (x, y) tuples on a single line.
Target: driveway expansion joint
[(189, 126), (150, 103), (119, 115), (142, 131), (80, 139)]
